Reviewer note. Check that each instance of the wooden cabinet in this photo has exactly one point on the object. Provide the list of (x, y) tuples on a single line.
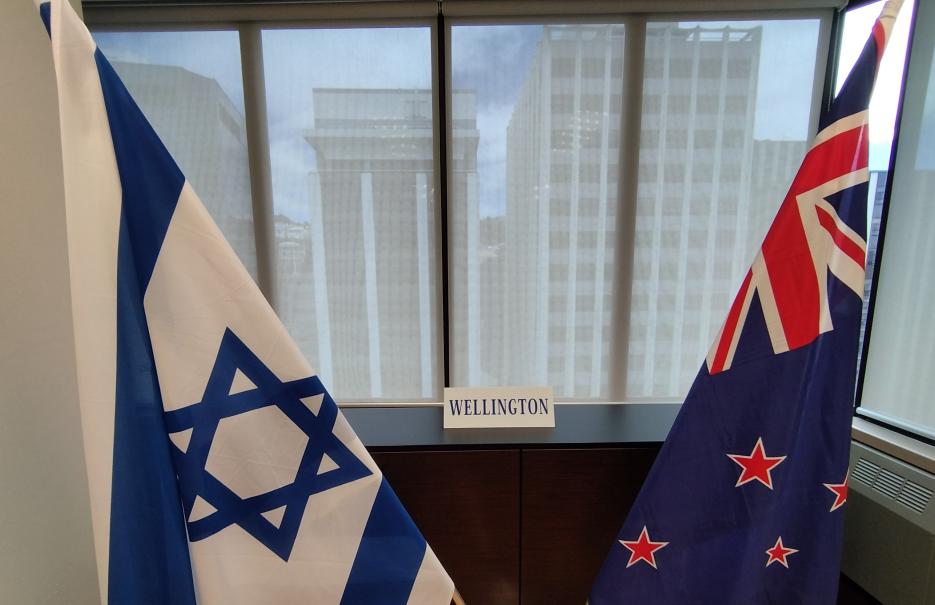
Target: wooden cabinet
[(467, 504), (525, 526), (519, 525)]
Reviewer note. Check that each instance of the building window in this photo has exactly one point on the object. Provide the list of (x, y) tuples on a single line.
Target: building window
[(531, 225), (898, 379), (190, 88), (703, 194), (563, 268), (350, 114)]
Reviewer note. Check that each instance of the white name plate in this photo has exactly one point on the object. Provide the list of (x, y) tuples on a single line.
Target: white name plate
[(499, 407)]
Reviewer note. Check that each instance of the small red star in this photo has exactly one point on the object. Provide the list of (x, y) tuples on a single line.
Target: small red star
[(778, 554), (756, 466), (643, 549), (840, 493)]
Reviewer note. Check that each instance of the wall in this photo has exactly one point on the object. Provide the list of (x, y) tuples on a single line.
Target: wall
[(46, 552)]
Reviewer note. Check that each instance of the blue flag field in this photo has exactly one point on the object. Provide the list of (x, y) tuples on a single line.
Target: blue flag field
[(744, 502)]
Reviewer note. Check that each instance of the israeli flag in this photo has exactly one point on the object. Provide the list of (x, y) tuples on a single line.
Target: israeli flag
[(220, 469)]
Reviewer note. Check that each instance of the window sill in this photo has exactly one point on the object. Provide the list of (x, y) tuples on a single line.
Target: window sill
[(394, 425), (905, 448), (575, 423)]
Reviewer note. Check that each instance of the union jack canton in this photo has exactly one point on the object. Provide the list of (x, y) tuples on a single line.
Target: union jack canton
[(744, 502)]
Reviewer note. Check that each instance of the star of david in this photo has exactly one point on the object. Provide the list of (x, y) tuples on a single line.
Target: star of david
[(257, 514)]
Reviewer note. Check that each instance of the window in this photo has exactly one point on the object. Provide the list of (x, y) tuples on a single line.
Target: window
[(883, 105), (189, 86), (350, 116), (705, 196), (570, 248), (532, 220), (898, 380)]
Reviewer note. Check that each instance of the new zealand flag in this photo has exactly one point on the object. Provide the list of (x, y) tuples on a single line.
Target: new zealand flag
[(744, 502)]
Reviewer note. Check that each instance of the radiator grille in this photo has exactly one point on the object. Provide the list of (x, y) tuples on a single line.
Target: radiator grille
[(892, 485), (915, 496), (889, 483), (865, 471)]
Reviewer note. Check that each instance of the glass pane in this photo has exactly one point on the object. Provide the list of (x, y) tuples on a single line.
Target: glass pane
[(351, 146), (857, 25), (533, 200), (899, 381), (189, 86), (726, 111)]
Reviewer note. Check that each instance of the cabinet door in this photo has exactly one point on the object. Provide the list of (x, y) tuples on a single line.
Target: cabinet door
[(467, 505), (574, 502)]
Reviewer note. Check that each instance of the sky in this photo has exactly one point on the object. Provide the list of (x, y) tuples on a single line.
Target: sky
[(298, 61), (490, 60)]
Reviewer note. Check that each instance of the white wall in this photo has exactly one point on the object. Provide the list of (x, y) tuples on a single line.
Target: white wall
[(46, 552)]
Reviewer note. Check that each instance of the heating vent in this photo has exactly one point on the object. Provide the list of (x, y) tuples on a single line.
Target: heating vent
[(865, 471), (889, 483), (892, 485), (915, 496)]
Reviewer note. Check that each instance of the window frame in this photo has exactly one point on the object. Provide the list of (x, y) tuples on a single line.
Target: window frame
[(871, 421), (629, 147), (249, 20)]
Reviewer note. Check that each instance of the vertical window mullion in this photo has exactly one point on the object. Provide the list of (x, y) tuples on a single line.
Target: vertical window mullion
[(261, 184), (441, 90), (629, 149)]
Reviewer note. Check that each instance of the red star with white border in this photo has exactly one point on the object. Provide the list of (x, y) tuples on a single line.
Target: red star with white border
[(840, 493), (643, 549), (756, 466), (778, 553)]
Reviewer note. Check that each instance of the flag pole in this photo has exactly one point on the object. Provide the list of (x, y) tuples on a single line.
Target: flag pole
[(456, 598)]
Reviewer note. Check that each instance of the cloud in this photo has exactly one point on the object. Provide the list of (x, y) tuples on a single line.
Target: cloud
[(492, 60)]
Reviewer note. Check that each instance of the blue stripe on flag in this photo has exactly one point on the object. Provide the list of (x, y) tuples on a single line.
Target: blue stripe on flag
[(45, 11), (149, 561), (855, 94), (389, 556), (150, 179)]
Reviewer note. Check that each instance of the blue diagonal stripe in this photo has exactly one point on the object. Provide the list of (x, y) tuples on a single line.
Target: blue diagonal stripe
[(389, 555), (45, 12), (149, 561), (854, 96)]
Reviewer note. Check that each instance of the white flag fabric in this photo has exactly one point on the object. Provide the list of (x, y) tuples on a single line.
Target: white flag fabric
[(220, 469)]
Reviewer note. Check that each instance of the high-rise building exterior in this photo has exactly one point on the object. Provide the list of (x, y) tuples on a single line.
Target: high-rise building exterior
[(694, 200), (561, 174), (373, 251), (707, 191), (204, 131), (533, 289)]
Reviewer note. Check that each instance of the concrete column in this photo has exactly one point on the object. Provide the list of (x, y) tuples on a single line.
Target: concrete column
[(597, 324), (649, 351), (370, 283), (473, 280), (320, 282), (541, 344), (710, 324), (425, 293), (685, 223), (574, 201)]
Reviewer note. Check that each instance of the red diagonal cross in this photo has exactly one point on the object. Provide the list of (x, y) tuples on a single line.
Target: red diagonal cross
[(805, 241)]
